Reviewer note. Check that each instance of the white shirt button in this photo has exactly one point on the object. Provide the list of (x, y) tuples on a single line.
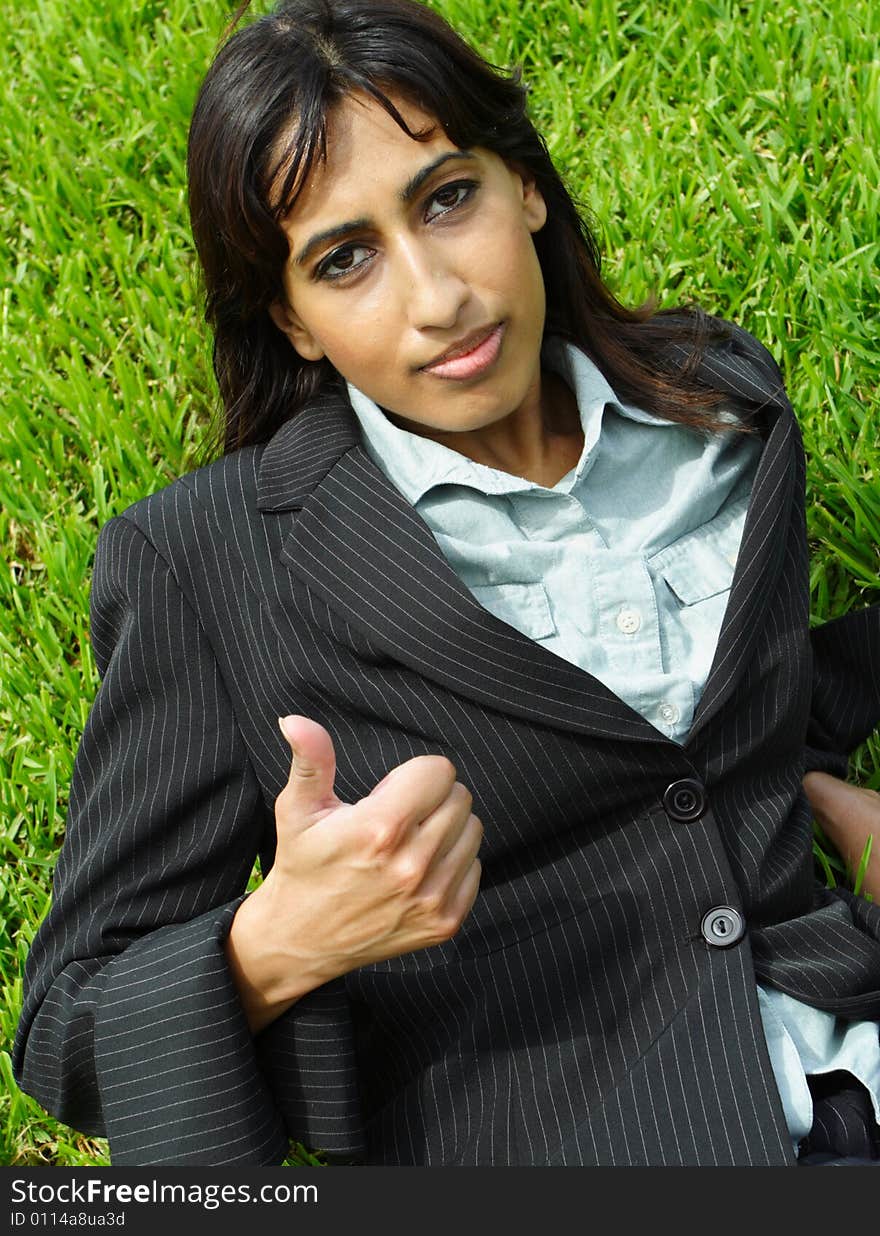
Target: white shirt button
[(628, 621), (669, 713)]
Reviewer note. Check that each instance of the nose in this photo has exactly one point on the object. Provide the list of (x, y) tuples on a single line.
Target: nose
[(433, 288)]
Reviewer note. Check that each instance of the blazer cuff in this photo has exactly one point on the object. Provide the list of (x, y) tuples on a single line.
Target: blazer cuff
[(175, 1060), (308, 1057)]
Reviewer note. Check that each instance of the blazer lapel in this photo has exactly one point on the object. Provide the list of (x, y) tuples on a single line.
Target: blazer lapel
[(744, 371), (359, 545)]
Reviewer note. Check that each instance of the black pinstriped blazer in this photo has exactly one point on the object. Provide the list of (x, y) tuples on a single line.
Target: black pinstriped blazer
[(579, 1016)]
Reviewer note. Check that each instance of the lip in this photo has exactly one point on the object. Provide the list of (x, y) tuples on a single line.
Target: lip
[(469, 357)]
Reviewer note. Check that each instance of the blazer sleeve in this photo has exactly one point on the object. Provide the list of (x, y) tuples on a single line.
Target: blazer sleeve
[(845, 707), (845, 704), (131, 1025)]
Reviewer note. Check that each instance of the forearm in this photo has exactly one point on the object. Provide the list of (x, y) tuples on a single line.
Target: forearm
[(849, 816)]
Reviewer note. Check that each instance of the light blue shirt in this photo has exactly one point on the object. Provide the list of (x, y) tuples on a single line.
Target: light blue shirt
[(624, 568)]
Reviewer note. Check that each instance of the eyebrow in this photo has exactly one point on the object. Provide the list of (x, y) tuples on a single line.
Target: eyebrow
[(406, 195)]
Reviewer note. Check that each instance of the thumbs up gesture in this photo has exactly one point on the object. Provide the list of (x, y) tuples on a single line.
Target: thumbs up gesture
[(352, 883)]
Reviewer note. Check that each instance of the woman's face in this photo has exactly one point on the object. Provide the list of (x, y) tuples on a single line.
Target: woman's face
[(402, 252)]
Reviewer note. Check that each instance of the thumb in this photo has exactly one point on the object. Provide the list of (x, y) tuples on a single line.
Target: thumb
[(313, 765)]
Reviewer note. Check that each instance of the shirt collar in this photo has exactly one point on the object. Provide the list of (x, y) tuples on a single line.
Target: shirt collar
[(416, 464)]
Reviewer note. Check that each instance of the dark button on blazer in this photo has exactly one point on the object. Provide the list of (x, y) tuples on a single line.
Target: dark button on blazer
[(580, 1016)]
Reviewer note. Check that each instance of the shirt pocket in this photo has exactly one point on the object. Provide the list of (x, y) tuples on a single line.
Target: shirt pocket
[(523, 606), (701, 564)]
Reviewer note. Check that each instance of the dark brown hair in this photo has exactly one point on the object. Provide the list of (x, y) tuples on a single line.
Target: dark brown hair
[(300, 61)]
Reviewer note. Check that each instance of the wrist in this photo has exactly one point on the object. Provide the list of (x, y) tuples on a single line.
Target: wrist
[(269, 979)]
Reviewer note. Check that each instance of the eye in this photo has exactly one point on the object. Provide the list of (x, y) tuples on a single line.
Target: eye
[(343, 261), (450, 197)]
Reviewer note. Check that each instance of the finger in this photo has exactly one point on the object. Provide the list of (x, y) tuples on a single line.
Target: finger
[(440, 831), (467, 891), (309, 788), (448, 865), (411, 792), (460, 896)]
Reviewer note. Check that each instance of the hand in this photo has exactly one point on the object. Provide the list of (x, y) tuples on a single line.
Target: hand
[(353, 883), (848, 815)]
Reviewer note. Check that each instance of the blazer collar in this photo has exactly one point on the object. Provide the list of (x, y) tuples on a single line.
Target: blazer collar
[(359, 545), (304, 449)]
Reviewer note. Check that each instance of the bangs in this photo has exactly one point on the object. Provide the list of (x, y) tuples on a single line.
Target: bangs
[(289, 173)]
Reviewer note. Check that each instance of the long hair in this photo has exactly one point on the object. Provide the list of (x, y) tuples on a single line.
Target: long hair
[(296, 64)]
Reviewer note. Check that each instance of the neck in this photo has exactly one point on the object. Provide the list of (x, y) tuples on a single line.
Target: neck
[(540, 441)]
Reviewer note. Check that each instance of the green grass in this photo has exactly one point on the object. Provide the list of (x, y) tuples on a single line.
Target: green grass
[(729, 153)]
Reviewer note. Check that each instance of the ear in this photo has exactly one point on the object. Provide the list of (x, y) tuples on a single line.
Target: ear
[(533, 204), (304, 342)]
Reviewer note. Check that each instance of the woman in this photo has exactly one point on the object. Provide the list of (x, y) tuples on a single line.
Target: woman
[(522, 575)]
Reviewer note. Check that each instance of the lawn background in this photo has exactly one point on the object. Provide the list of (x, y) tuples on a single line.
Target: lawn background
[(729, 154)]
